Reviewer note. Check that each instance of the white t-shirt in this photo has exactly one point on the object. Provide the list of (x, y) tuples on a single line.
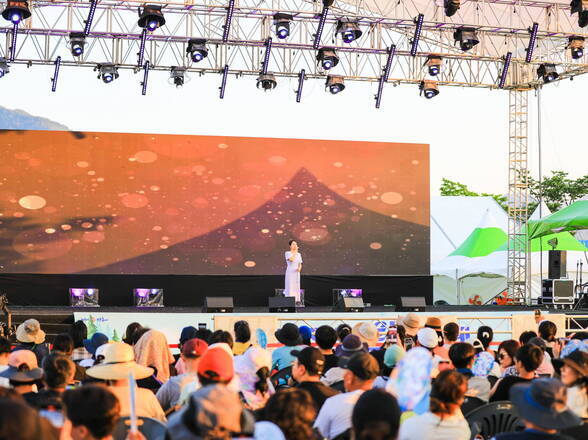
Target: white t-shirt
[(335, 414), (428, 426), (146, 402)]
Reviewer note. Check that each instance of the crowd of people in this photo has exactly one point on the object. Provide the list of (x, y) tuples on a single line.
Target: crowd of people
[(331, 383)]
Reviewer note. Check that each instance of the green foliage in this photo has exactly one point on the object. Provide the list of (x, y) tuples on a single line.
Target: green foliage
[(115, 336), (451, 188), (558, 189), (92, 328)]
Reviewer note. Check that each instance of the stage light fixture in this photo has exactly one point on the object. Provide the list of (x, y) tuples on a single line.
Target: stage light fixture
[(327, 58), (451, 7), (77, 41), (196, 49), (429, 89), (55, 74), (4, 67), (16, 11), (321, 25), (504, 72), (84, 297), (107, 72), (148, 297), (532, 40), (547, 72), (576, 46), (335, 84), (581, 7), (266, 57), (177, 76), (145, 78), (150, 17), (225, 74), (282, 24), (90, 18), (349, 30), (385, 74), (228, 19), (301, 78), (266, 81), (418, 21), (466, 36), (434, 63)]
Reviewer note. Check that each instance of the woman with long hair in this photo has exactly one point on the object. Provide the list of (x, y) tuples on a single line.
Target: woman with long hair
[(506, 357)]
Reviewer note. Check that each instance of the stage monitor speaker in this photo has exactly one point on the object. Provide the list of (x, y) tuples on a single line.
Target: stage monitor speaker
[(218, 304), (349, 304), (412, 303), (282, 304), (557, 265)]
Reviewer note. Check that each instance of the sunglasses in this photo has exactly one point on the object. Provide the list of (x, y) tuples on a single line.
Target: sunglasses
[(501, 356)]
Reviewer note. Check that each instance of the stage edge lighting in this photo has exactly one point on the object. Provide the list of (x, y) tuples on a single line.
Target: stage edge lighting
[(466, 36), (282, 25), (433, 64), (335, 84), (107, 72), (547, 72), (196, 49), (327, 58), (77, 41), (4, 67), (429, 89), (150, 17), (348, 29), (576, 46)]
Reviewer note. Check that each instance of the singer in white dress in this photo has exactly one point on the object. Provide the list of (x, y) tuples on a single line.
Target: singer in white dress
[(293, 269)]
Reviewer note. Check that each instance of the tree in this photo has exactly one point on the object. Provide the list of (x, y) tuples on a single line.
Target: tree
[(451, 188), (558, 189)]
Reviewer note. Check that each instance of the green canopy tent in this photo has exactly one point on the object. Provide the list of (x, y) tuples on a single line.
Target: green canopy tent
[(571, 218)]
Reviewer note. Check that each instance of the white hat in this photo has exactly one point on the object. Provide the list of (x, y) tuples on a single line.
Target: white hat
[(427, 337), (30, 331), (119, 361)]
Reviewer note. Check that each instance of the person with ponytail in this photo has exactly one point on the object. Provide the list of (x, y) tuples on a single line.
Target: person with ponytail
[(253, 368), (444, 420), (376, 416), (485, 336)]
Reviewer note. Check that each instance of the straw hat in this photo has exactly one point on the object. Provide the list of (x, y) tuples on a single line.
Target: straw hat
[(30, 331), (367, 332), (411, 321), (119, 361)]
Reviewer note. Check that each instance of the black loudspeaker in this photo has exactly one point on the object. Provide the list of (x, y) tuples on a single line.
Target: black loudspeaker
[(412, 303), (218, 304), (282, 304), (349, 304), (557, 265)]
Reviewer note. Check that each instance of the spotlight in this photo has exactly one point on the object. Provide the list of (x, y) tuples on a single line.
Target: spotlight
[(466, 36), (197, 50), (282, 24), (107, 72), (4, 67), (429, 88), (547, 72), (177, 76), (451, 7), (335, 84), (16, 11), (266, 81), (77, 41), (576, 46), (328, 58), (349, 30), (581, 7), (434, 64), (150, 17)]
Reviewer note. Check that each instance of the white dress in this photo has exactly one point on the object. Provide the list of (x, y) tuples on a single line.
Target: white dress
[(292, 287)]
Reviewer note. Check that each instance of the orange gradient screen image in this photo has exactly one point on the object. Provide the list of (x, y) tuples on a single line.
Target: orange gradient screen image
[(74, 202)]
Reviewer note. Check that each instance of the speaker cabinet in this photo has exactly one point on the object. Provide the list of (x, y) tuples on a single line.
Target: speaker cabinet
[(557, 265), (412, 303), (218, 304), (349, 304), (282, 304)]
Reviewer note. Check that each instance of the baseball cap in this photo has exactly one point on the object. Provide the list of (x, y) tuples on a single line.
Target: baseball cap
[(427, 337), (362, 365), (194, 348), (216, 365), (312, 359)]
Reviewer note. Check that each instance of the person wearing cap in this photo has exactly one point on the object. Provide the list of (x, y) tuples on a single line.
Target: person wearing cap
[(334, 417), (119, 362), (393, 354), (573, 370), (91, 345), (463, 357), (435, 324), (169, 393), (289, 335), (187, 333), (527, 360), (307, 371), (427, 338), (30, 337), (541, 404), (23, 373), (350, 346), (326, 337)]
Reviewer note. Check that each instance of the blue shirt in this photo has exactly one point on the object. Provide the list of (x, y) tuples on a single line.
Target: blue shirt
[(281, 357)]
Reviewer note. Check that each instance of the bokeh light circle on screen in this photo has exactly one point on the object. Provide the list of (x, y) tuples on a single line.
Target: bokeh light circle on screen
[(391, 198), (32, 202)]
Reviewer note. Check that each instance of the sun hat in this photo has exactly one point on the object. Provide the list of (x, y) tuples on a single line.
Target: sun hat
[(427, 337), (577, 359), (22, 367), (393, 355), (217, 365), (119, 361), (194, 348), (543, 403), (433, 322), (412, 383), (95, 341), (30, 331), (351, 345), (367, 332), (312, 359), (288, 334), (412, 322)]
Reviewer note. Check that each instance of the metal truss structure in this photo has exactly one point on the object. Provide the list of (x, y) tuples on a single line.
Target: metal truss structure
[(238, 31)]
